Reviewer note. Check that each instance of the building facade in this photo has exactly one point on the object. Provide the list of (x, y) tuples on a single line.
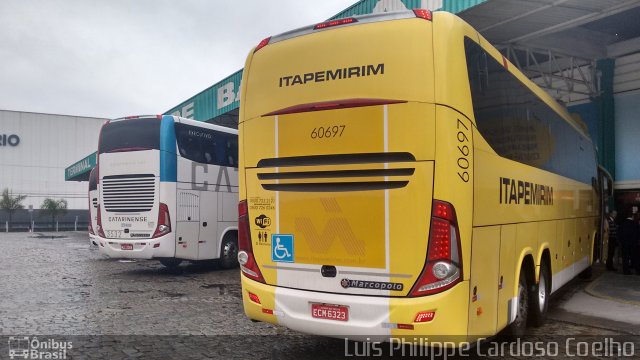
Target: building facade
[(35, 149)]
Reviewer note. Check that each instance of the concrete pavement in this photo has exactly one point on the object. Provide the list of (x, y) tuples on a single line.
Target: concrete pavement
[(610, 300)]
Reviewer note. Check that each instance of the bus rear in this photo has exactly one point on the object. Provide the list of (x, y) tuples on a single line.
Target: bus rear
[(133, 221), (340, 233)]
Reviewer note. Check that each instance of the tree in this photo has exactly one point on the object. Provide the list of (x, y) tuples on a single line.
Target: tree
[(54, 208), (10, 203)]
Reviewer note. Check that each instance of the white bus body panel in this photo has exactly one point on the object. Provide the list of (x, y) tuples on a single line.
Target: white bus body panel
[(207, 200)]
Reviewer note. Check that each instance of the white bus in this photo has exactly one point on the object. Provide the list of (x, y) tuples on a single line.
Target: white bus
[(168, 190), (93, 205)]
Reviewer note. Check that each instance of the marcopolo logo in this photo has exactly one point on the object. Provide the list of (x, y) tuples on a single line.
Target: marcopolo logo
[(23, 347), (373, 285), (140, 235), (9, 140)]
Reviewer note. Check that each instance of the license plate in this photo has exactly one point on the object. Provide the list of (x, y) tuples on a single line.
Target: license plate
[(126, 246), (330, 312)]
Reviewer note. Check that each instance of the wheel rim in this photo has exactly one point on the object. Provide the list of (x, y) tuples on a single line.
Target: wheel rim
[(230, 251), (542, 292)]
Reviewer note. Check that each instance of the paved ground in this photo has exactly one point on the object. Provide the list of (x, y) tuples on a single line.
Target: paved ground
[(618, 288), (59, 289)]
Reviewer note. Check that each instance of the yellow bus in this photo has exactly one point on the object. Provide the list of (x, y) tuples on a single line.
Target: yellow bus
[(399, 177)]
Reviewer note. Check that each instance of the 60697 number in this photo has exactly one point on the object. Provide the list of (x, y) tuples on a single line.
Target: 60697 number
[(464, 151), (327, 132)]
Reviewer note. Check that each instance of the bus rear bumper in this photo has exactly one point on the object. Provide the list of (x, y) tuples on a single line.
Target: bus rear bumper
[(93, 240), (163, 246), (369, 318)]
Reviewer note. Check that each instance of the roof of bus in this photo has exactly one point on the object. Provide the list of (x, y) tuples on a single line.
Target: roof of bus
[(205, 125), (358, 20), (183, 121)]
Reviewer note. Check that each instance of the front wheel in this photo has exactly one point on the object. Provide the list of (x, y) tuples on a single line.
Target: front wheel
[(518, 327), (229, 251), (540, 297)]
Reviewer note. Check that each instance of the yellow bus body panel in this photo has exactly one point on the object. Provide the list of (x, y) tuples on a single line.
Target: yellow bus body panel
[(406, 55), (346, 228)]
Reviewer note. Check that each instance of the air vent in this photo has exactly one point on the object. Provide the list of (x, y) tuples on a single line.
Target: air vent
[(337, 159), (128, 193), (336, 174), (337, 186)]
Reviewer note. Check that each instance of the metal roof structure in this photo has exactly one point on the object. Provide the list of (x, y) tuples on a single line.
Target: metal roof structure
[(559, 44)]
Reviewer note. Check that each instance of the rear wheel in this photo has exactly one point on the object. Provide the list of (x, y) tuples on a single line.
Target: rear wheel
[(540, 297), (229, 251), (518, 327), (170, 263)]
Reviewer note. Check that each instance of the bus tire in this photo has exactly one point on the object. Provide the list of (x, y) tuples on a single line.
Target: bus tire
[(229, 251), (539, 304), (170, 263), (518, 327)]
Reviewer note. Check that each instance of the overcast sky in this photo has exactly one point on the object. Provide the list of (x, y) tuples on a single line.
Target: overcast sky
[(111, 58)]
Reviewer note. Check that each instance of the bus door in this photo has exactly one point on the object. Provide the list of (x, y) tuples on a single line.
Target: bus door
[(188, 224)]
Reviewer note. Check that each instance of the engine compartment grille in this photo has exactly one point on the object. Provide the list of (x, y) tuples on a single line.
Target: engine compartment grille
[(128, 193)]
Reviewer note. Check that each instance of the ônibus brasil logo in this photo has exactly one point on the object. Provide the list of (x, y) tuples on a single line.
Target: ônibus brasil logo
[(24, 347)]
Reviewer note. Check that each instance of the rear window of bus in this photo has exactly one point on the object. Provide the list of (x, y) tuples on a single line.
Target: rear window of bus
[(130, 135)]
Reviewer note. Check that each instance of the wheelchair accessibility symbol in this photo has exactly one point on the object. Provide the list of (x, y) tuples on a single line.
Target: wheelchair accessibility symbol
[(282, 248)]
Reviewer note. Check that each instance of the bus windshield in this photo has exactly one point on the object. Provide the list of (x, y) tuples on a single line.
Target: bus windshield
[(130, 135)]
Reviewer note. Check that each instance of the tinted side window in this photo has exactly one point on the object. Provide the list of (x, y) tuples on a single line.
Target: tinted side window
[(521, 127), (207, 146), (227, 144)]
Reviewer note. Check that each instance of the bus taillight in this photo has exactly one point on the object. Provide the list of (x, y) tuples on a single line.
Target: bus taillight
[(245, 256), (332, 23), (423, 14), (99, 224), (443, 268), (262, 43), (164, 221)]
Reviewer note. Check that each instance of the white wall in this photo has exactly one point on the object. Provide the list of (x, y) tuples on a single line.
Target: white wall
[(627, 73), (48, 144)]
